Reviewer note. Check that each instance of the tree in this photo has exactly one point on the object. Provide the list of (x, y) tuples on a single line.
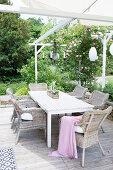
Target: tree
[(35, 26), (14, 36)]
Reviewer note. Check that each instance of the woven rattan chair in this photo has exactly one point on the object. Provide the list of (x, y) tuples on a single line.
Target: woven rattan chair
[(38, 87), (88, 127), (22, 104), (9, 91), (79, 92), (38, 120), (13, 97), (98, 99)]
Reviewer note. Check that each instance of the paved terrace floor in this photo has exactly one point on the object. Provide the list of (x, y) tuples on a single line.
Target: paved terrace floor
[(31, 153)]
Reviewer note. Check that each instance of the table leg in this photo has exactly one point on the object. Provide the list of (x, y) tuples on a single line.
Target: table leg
[(49, 130)]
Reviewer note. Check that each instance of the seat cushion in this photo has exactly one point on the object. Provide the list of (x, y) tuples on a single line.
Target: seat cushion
[(78, 129), (26, 116)]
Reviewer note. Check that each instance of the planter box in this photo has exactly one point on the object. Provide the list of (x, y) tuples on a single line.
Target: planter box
[(53, 94)]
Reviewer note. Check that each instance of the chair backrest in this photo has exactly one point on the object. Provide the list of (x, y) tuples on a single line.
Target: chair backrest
[(9, 91), (80, 91), (92, 120), (98, 98), (38, 87)]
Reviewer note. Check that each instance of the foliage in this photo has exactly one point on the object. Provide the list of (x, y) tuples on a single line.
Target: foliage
[(109, 89), (14, 35), (64, 86), (7, 2), (14, 86), (35, 27), (44, 72), (22, 91), (93, 86)]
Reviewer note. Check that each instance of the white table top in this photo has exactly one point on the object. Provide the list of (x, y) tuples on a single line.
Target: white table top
[(65, 103)]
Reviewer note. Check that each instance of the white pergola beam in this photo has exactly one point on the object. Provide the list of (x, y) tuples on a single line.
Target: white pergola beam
[(40, 44), (54, 29)]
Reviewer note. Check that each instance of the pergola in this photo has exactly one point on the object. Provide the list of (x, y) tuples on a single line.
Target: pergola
[(87, 11)]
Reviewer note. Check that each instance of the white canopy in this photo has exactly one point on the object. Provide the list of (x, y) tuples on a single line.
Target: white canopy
[(88, 11), (98, 10)]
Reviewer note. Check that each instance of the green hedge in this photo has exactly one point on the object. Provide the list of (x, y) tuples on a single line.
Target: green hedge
[(13, 86), (109, 89)]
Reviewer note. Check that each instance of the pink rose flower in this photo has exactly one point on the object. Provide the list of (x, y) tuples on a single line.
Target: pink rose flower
[(70, 46), (85, 67), (81, 68), (67, 54)]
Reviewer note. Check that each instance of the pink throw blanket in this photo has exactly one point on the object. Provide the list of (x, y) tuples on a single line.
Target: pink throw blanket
[(67, 142)]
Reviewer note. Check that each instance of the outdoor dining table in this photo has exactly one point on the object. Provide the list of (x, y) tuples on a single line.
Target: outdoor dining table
[(64, 104)]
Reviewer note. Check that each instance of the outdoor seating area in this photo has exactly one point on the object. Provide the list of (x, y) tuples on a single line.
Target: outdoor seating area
[(32, 151), (56, 85), (31, 114)]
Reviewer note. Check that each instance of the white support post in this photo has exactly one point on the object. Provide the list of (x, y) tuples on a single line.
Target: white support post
[(35, 63), (37, 52), (104, 62), (79, 82)]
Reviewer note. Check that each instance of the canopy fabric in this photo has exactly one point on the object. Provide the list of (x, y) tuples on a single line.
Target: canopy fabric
[(96, 7), (88, 11), (94, 10)]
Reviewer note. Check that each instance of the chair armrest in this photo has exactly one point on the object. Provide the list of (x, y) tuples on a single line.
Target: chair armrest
[(26, 104), (23, 97), (32, 109), (99, 107), (87, 95), (37, 113), (86, 100)]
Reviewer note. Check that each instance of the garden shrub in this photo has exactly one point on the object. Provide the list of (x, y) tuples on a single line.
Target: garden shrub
[(22, 91), (93, 86), (65, 86), (13, 86), (109, 89), (44, 72)]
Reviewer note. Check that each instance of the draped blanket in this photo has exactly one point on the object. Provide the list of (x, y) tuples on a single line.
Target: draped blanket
[(67, 143)]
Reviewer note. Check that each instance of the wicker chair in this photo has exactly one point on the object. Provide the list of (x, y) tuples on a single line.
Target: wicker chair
[(37, 118), (23, 104), (87, 133), (98, 99), (13, 97), (38, 87), (9, 91), (79, 92)]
